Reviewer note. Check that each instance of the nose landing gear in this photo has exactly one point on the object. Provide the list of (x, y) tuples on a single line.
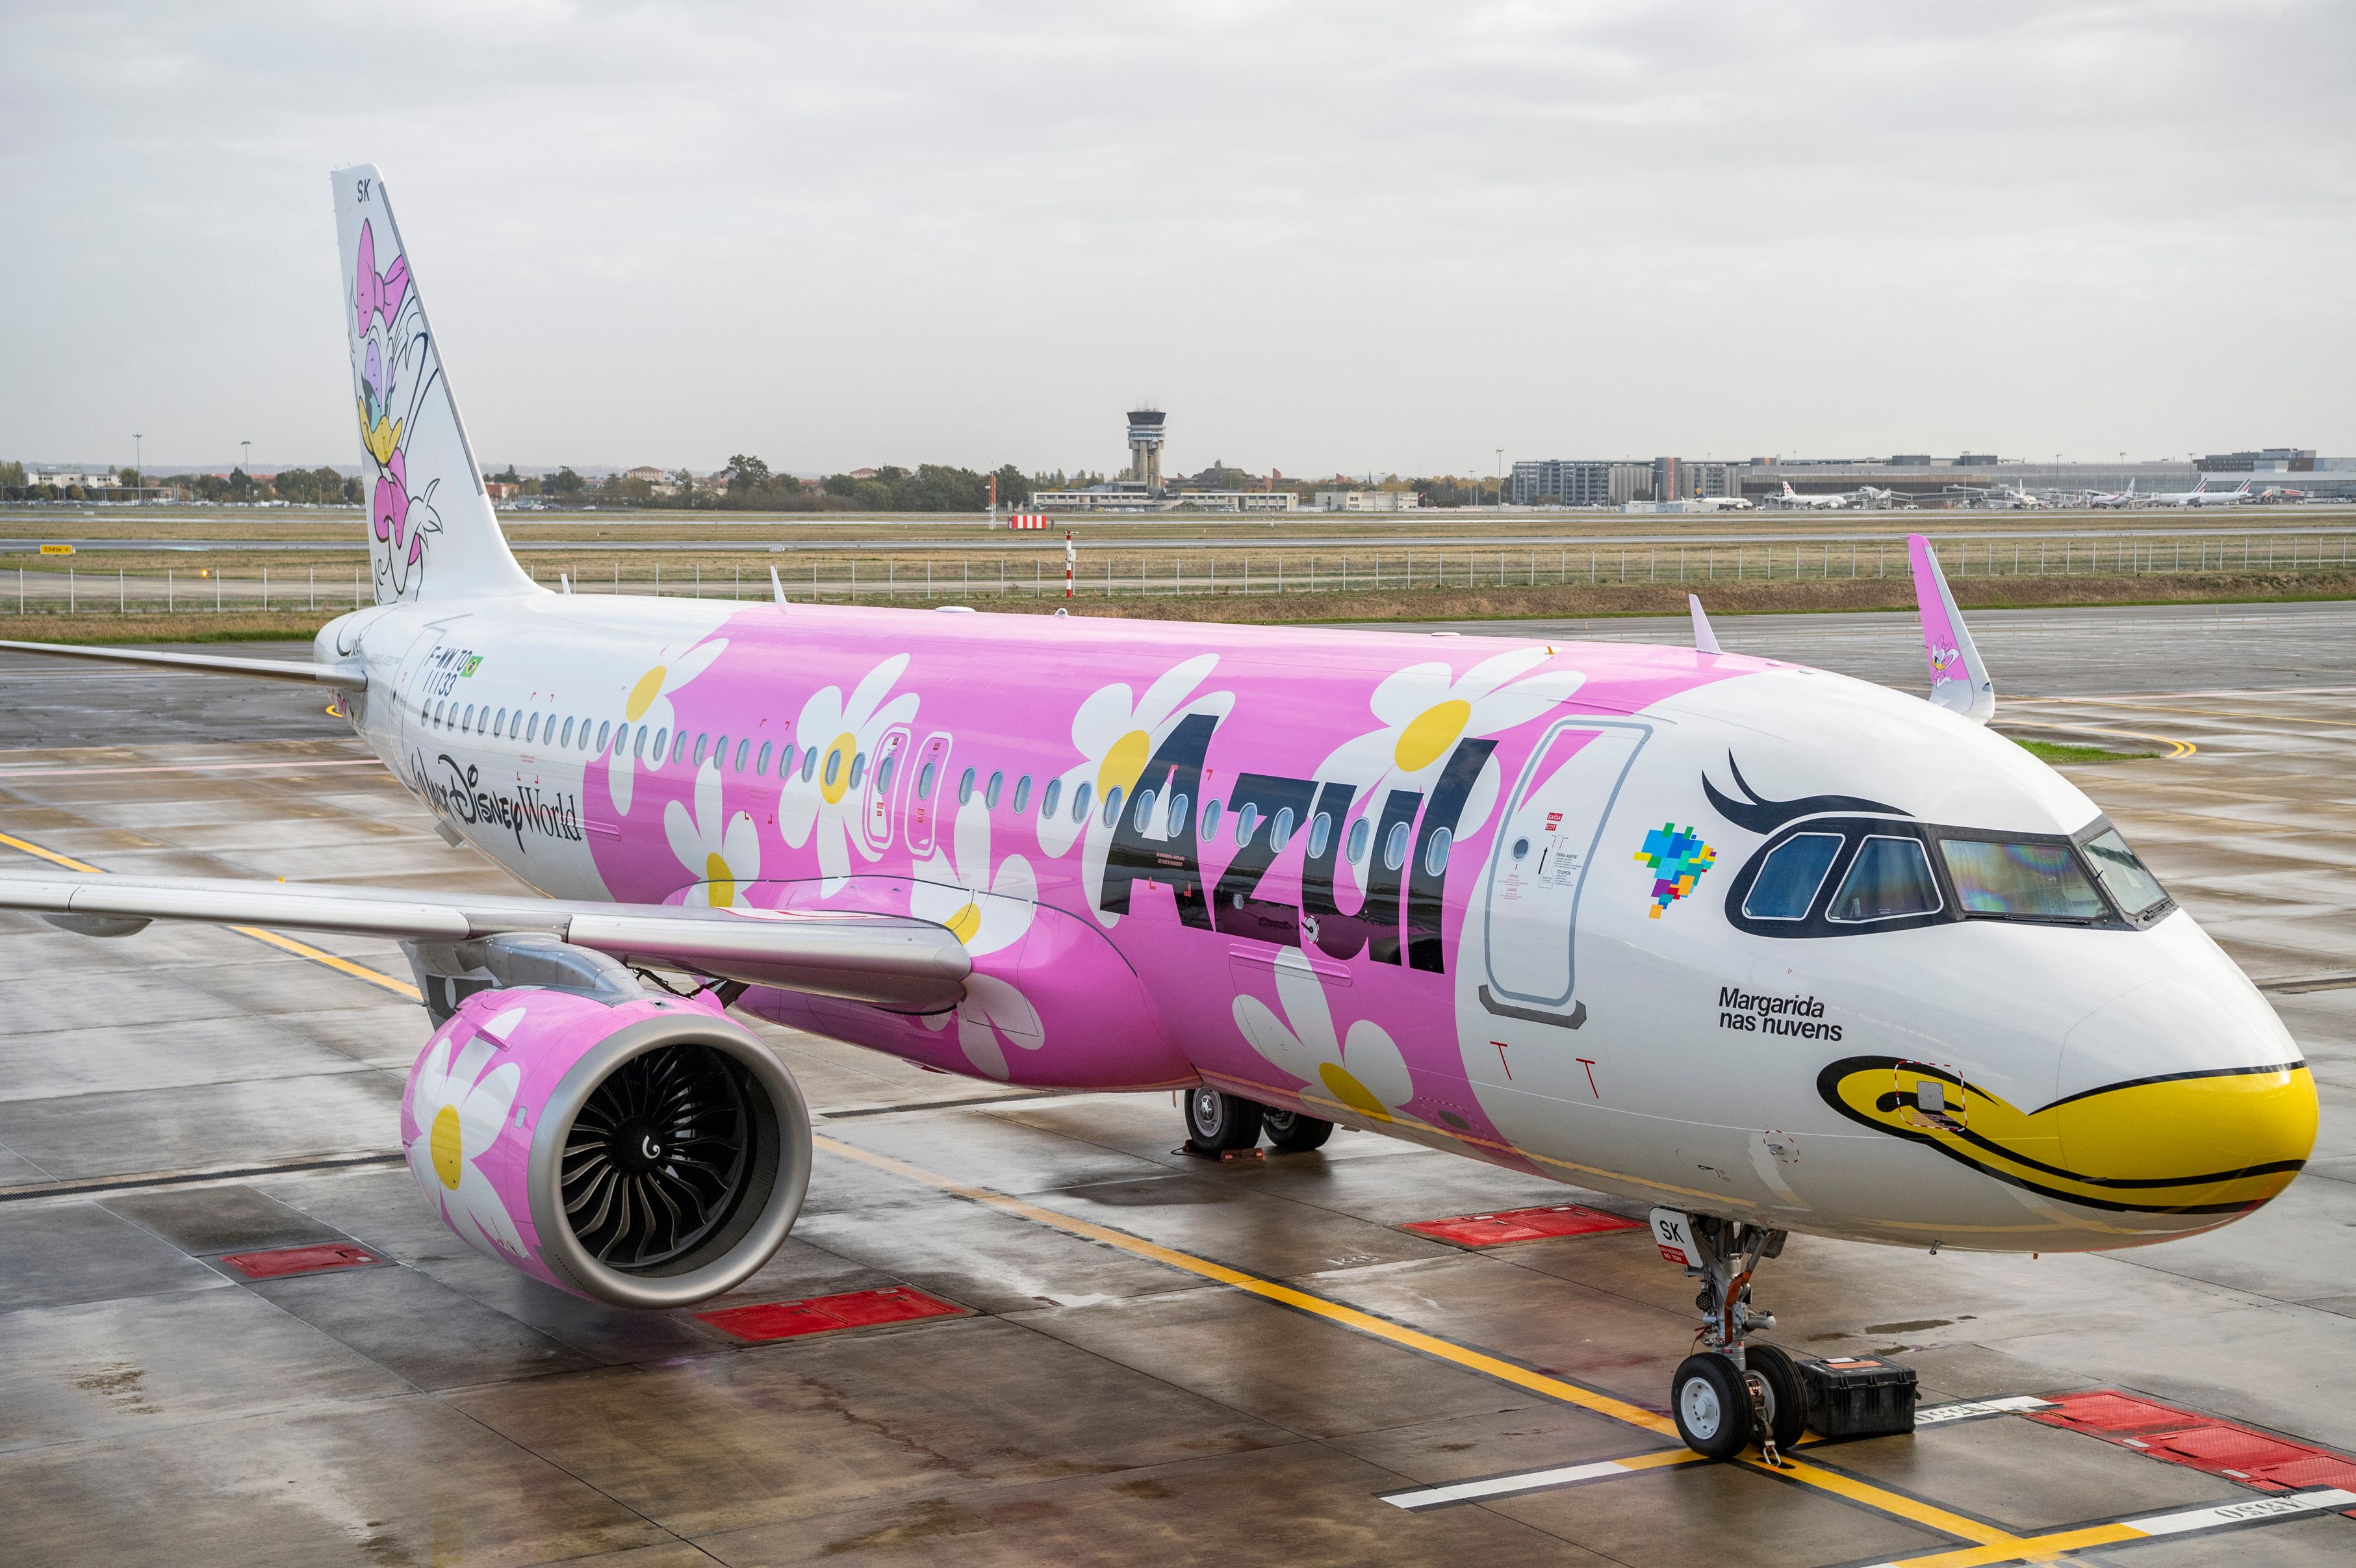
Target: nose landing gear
[(1729, 1394)]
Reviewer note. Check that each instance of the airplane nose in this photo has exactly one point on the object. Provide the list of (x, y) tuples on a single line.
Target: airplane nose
[(2200, 1102)]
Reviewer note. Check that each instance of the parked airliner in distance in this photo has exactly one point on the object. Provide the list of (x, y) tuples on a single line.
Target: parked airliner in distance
[(2201, 495), (1829, 501), (1764, 948)]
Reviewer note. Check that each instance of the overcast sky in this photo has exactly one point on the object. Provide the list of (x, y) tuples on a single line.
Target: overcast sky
[(1382, 236)]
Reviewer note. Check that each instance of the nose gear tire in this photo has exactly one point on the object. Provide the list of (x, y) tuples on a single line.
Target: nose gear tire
[(1711, 1405), (1787, 1396)]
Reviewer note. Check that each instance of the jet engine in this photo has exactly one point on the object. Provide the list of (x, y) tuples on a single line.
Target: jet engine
[(639, 1149)]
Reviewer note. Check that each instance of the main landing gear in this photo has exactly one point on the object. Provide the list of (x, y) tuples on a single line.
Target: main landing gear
[(1219, 1123), (1730, 1394)]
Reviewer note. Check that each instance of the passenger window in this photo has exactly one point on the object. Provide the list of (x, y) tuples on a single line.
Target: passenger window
[(1890, 878), (925, 782), (499, 725), (638, 747), (833, 765), (466, 723), (1111, 805), (532, 734), (1142, 818), (678, 746), (700, 746), (1080, 797), (1210, 819), (965, 787), (1246, 823), (1049, 797), (810, 762), (1320, 833), (1435, 853), (2032, 881), (601, 733), (884, 773), (1179, 805), (1395, 847), (1354, 848), (2136, 890), (1788, 878), (990, 796), (858, 768), (1022, 794), (1279, 829), (744, 750)]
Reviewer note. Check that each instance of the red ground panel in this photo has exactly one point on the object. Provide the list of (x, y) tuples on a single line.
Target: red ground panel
[(283, 1262), (1521, 1225), (823, 1314), (2201, 1442)]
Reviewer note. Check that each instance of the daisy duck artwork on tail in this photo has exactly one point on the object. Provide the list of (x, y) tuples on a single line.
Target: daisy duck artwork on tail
[(399, 376)]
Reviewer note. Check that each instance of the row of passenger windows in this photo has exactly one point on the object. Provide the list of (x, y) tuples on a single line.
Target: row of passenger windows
[(1890, 878), (568, 733)]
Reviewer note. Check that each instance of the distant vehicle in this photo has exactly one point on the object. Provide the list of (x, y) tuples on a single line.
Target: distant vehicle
[(2274, 494), (2103, 499), (2201, 495), (1791, 497)]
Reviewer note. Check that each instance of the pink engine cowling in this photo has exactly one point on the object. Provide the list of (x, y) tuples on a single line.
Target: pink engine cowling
[(649, 1153)]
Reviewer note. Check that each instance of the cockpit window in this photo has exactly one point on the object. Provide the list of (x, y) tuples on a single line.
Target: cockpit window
[(1788, 878), (2038, 881), (1890, 878), (2137, 891)]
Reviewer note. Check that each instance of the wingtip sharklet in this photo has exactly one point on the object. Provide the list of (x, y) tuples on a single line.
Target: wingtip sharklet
[(1705, 637), (1959, 679)]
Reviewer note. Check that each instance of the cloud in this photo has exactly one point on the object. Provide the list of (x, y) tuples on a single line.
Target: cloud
[(1388, 235)]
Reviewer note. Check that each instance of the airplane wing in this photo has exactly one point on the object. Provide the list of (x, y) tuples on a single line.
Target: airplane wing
[(886, 959), (351, 677)]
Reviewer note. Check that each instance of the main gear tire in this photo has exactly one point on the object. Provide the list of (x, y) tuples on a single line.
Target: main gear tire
[(1220, 1123), (1290, 1132)]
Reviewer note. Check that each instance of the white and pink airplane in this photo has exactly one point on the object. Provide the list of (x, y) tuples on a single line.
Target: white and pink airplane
[(1763, 947)]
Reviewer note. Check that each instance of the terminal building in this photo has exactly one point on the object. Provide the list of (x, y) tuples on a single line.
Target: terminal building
[(1141, 488), (1563, 481)]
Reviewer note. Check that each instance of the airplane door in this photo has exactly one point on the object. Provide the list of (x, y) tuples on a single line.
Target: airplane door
[(1538, 866), (928, 789)]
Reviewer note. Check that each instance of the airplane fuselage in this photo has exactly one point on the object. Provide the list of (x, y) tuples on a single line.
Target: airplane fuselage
[(1491, 895)]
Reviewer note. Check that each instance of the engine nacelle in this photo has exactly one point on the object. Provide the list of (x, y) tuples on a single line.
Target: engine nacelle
[(647, 1152)]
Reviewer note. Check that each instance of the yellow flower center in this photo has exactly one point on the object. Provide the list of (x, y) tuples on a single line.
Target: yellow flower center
[(1123, 761), (1350, 1092), (443, 1141), (834, 771), (965, 922), (723, 881), (643, 694), (1430, 734)]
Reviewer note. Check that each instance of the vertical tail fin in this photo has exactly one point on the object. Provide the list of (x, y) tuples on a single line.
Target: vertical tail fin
[(429, 520)]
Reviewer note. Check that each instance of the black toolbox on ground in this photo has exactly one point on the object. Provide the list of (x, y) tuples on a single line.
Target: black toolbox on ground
[(1858, 1396)]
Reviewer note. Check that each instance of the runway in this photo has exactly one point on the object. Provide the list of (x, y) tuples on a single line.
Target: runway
[(1141, 1357)]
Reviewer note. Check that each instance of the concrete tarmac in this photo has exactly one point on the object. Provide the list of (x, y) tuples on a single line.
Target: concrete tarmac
[(1108, 1391)]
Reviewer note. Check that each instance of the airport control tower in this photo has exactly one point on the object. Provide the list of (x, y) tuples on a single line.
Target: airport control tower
[(1145, 449)]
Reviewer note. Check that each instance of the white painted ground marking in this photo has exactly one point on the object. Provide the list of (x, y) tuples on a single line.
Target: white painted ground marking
[(2283, 1505), (1499, 1485), (2011, 1405)]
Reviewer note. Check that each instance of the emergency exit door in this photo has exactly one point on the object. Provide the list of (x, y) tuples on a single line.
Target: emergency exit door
[(1538, 866)]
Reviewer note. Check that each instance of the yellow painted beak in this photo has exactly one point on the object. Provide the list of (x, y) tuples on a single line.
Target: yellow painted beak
[(2205, 1143)]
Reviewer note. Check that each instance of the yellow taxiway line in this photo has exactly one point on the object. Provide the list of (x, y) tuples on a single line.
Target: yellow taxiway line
[(271, 939), (2176, 747)]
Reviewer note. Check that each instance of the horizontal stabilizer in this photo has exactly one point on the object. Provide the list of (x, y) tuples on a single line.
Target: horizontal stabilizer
[(350, 677), (1959, 682), (885, 958)]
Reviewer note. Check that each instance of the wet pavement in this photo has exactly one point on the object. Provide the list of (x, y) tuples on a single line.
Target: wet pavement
[(1155, 1360)]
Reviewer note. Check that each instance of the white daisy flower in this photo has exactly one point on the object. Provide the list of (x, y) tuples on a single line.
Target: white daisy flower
[(829, 791), (647, 708), (987, 912), (723, 853), (993, 1015), (1425, 710), (460, 1110), (1364, 1072), (1116, 736)]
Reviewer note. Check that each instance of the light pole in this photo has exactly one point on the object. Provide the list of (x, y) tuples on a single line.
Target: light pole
[(1501, 478), (138, 467)]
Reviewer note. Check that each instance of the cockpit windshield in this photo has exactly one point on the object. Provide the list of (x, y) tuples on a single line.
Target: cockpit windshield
[(2135, 889), (2040, 880), (1845, 875)]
